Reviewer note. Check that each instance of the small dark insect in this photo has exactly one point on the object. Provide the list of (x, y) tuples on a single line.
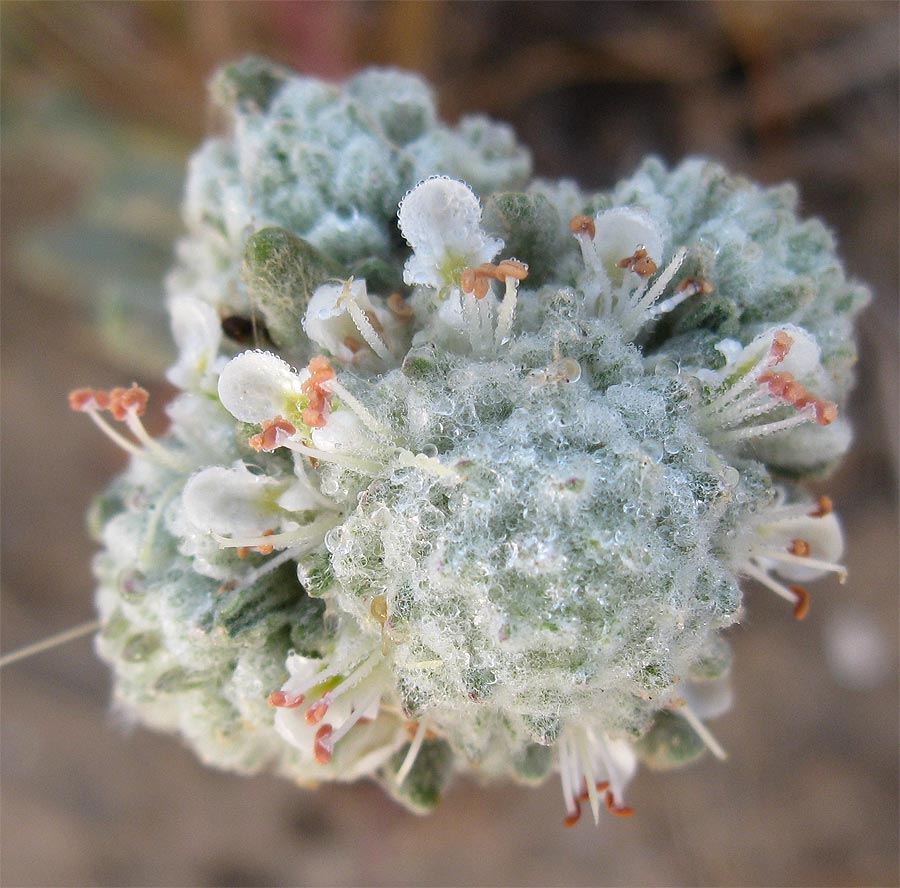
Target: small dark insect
[(245, 330)]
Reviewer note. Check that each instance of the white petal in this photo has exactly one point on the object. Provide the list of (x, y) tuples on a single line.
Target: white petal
[(327, 321), (258, 385), (620, 231), (802, 360), (231, 501), (197, 332), (368, 746), (301, 496), (441, 220), (343, 430), (826, 543)]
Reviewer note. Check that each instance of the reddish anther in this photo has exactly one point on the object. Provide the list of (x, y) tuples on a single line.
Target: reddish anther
[(123, 401), (782, 385), (512, 268), (824, 506), (583, 225), (826, 412), (639, 262), (320, 372), (781, 345), (695, 285), (618, 810), (315, 419), (477, 280), (285, 700), (602, 786), (572, 819), (270, 437), (801, 548), (265, 549), (317, 711), (321, 746), (85, 399), (801, 607), (119, 401)]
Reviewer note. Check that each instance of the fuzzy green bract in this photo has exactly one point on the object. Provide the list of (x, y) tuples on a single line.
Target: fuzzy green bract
[(467, 468)]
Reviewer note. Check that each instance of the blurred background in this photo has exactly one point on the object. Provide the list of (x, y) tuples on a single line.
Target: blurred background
[(102, 104)]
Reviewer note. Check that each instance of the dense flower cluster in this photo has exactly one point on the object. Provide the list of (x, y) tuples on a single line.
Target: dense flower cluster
[(467, 485)]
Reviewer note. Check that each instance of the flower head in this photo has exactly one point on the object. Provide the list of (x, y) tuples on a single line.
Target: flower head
[(441, 220)]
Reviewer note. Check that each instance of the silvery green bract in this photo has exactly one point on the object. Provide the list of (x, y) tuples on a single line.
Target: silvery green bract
[(466, 468)]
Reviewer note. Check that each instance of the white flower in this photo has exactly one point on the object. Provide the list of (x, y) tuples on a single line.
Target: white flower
[(256, 386), (232, 501), (799, 542), (441, 220), (622, 250), (345, 431), (336, 720), (197, 332), (768, 375), (594, 766), (620, 232), (342, 319)]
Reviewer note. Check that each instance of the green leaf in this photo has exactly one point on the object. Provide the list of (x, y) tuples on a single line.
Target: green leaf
[(281, 272)]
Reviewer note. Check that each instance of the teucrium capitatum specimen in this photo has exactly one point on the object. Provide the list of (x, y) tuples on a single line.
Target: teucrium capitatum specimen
[(488, 506)]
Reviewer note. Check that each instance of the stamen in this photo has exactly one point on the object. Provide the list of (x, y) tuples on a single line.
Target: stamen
[(507, 311), (367, 419), (801, 608), (413, 752), (769, 428), (784, 387), (120, 440), (618, 810), (587, 768), (362, 466), (323, 745), (778, 351), (477, 280), (572, 819), (824, 507), (807, 561), (800, 548), (796, 595), (702, 732), (583, 225), (602, 786), (84, 400), (53, 641), (125, 404), (358, 714), (315, 530), (268, 567), (317, 711), (364, 325), (285, 700), (684, 291), (639, 262)]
